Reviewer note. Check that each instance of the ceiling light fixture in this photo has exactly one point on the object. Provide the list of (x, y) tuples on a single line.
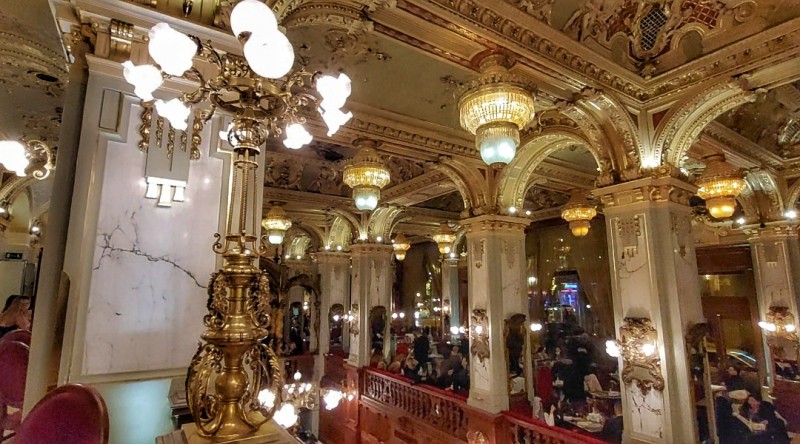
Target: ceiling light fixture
[(366, 175), (578, 211), (400, 246), (719, 184), (32, 157), (444, 238), (276, 223), (494, 108)]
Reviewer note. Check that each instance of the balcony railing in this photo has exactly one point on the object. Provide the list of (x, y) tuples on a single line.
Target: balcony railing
[(442, 411), (530, 431)]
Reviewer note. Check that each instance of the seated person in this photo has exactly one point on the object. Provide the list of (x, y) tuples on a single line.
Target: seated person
[(612, 429), (729, 429), (448, 367), (733, 379), (774, 429), (397, 363), (461, 376), (16, 314), (411, 369), (376, 358)]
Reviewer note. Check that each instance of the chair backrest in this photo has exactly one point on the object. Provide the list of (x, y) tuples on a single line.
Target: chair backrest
[(23, 336), (13, 370), (70, 414)]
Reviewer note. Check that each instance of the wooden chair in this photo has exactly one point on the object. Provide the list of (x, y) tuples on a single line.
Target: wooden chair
[(70, 414), (13, 371), (23, 336)]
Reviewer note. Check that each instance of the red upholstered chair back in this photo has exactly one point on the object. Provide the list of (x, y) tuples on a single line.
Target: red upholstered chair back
[(23, 336), (70, 414), (13, 370)]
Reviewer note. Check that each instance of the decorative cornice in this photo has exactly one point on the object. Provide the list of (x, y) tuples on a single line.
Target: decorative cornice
[(369, 249), (413, 185), (650, 189), (772, 231), (331, 257), (494, 223)]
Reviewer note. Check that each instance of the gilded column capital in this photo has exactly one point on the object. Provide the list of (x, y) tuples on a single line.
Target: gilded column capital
[(331, 257), (369, 249), (772, 231), (495, 223), (648, 189)]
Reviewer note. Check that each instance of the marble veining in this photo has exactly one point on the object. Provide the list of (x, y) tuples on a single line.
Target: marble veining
[(147, 295), (647, 411)]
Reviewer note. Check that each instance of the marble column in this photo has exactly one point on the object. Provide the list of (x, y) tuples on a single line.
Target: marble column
[(776, 265), (51, 295), (450, 289), (334, 272), (654, 275), (370, 286), (497, 287)]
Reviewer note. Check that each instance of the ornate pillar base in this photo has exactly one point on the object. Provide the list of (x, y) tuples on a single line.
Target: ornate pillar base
[(497, 290), (269, 433), (656, 298)]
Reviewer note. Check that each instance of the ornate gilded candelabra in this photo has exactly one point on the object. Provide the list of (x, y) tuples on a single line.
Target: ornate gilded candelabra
[(234, 383)]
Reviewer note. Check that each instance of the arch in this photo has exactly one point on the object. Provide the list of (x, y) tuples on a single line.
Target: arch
[(794, 195), (316, 234), (341, 231), (382, 219), (298, 246), (683, 123), (470, 183), (516, 177)]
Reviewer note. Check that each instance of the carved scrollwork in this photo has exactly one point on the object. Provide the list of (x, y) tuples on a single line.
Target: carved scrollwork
[(204, 404), (641, 360), (479, 334), (217, 303), (258, 302)]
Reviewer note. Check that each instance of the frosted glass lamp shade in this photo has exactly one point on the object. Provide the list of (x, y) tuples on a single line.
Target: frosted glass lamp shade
[(144, 78), (334, 91), (252, 16), (721, 207), (175, 111), (497, 142), (334, 119), (286, 416), (171, 50), (366, 198), (12, 156), (296, 136), (270, 54)]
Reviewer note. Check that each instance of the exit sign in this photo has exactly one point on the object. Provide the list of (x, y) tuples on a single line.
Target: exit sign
[(13, 256)]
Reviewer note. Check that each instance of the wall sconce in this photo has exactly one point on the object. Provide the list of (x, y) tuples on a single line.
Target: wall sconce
[(32, 157), (779, 323), (479, 334), (5, 210), (638, 348), (36, 228), (536, 327), (351, 318), (398, 315)]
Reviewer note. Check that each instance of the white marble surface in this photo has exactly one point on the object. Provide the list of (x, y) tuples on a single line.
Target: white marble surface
[(646, 410), (151, 266)]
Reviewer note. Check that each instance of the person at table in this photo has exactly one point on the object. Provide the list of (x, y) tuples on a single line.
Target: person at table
[(762, 412), (612, 429), (729, 428), (448, 367), (461, 376), (733, 379), (411, 369), (16, 314), (422, 348)]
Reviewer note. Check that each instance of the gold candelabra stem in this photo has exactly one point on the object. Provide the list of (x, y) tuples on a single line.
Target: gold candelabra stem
[(232, 366)]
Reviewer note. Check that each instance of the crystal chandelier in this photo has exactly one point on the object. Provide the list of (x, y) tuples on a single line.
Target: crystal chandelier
[(494, 108), (33, 157), (578, 211), (444, 238), (400, 246), (234, 382), (366, 175), (276, 224), (718, 185)]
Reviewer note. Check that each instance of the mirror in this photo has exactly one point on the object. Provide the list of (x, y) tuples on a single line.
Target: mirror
[(377, 327), (336, 323), (514, 338)]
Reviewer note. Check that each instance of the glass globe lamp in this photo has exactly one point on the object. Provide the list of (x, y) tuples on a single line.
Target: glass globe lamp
[(366, 175), (444, 238), (719, 185), (400, 247), (578, 211), (276, 224)]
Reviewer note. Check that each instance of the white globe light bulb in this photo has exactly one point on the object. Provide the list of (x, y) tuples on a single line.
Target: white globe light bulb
[(334, 91), (270, 54), (13, 158), (175, 111), (296, 136), (334, 119), (144, 78), (266, 398), (252, 16), (286, 415), (171, 50)]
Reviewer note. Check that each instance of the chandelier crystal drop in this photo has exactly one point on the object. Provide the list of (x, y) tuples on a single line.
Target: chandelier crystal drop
[(719, 185), (366, 175), (494, 108), (276, 223), (400, 246), (444, 238), (578, 211)]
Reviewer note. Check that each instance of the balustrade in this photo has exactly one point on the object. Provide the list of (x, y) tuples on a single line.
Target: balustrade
[(440, 411), (524, 430)]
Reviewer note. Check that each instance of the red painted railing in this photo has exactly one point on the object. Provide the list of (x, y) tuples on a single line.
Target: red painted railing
[(436, 408), (524, 430)]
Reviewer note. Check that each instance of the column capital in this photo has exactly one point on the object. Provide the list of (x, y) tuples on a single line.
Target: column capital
[(495, 223), (649, 189), (369, 249), (331, 257), (772, 230)]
